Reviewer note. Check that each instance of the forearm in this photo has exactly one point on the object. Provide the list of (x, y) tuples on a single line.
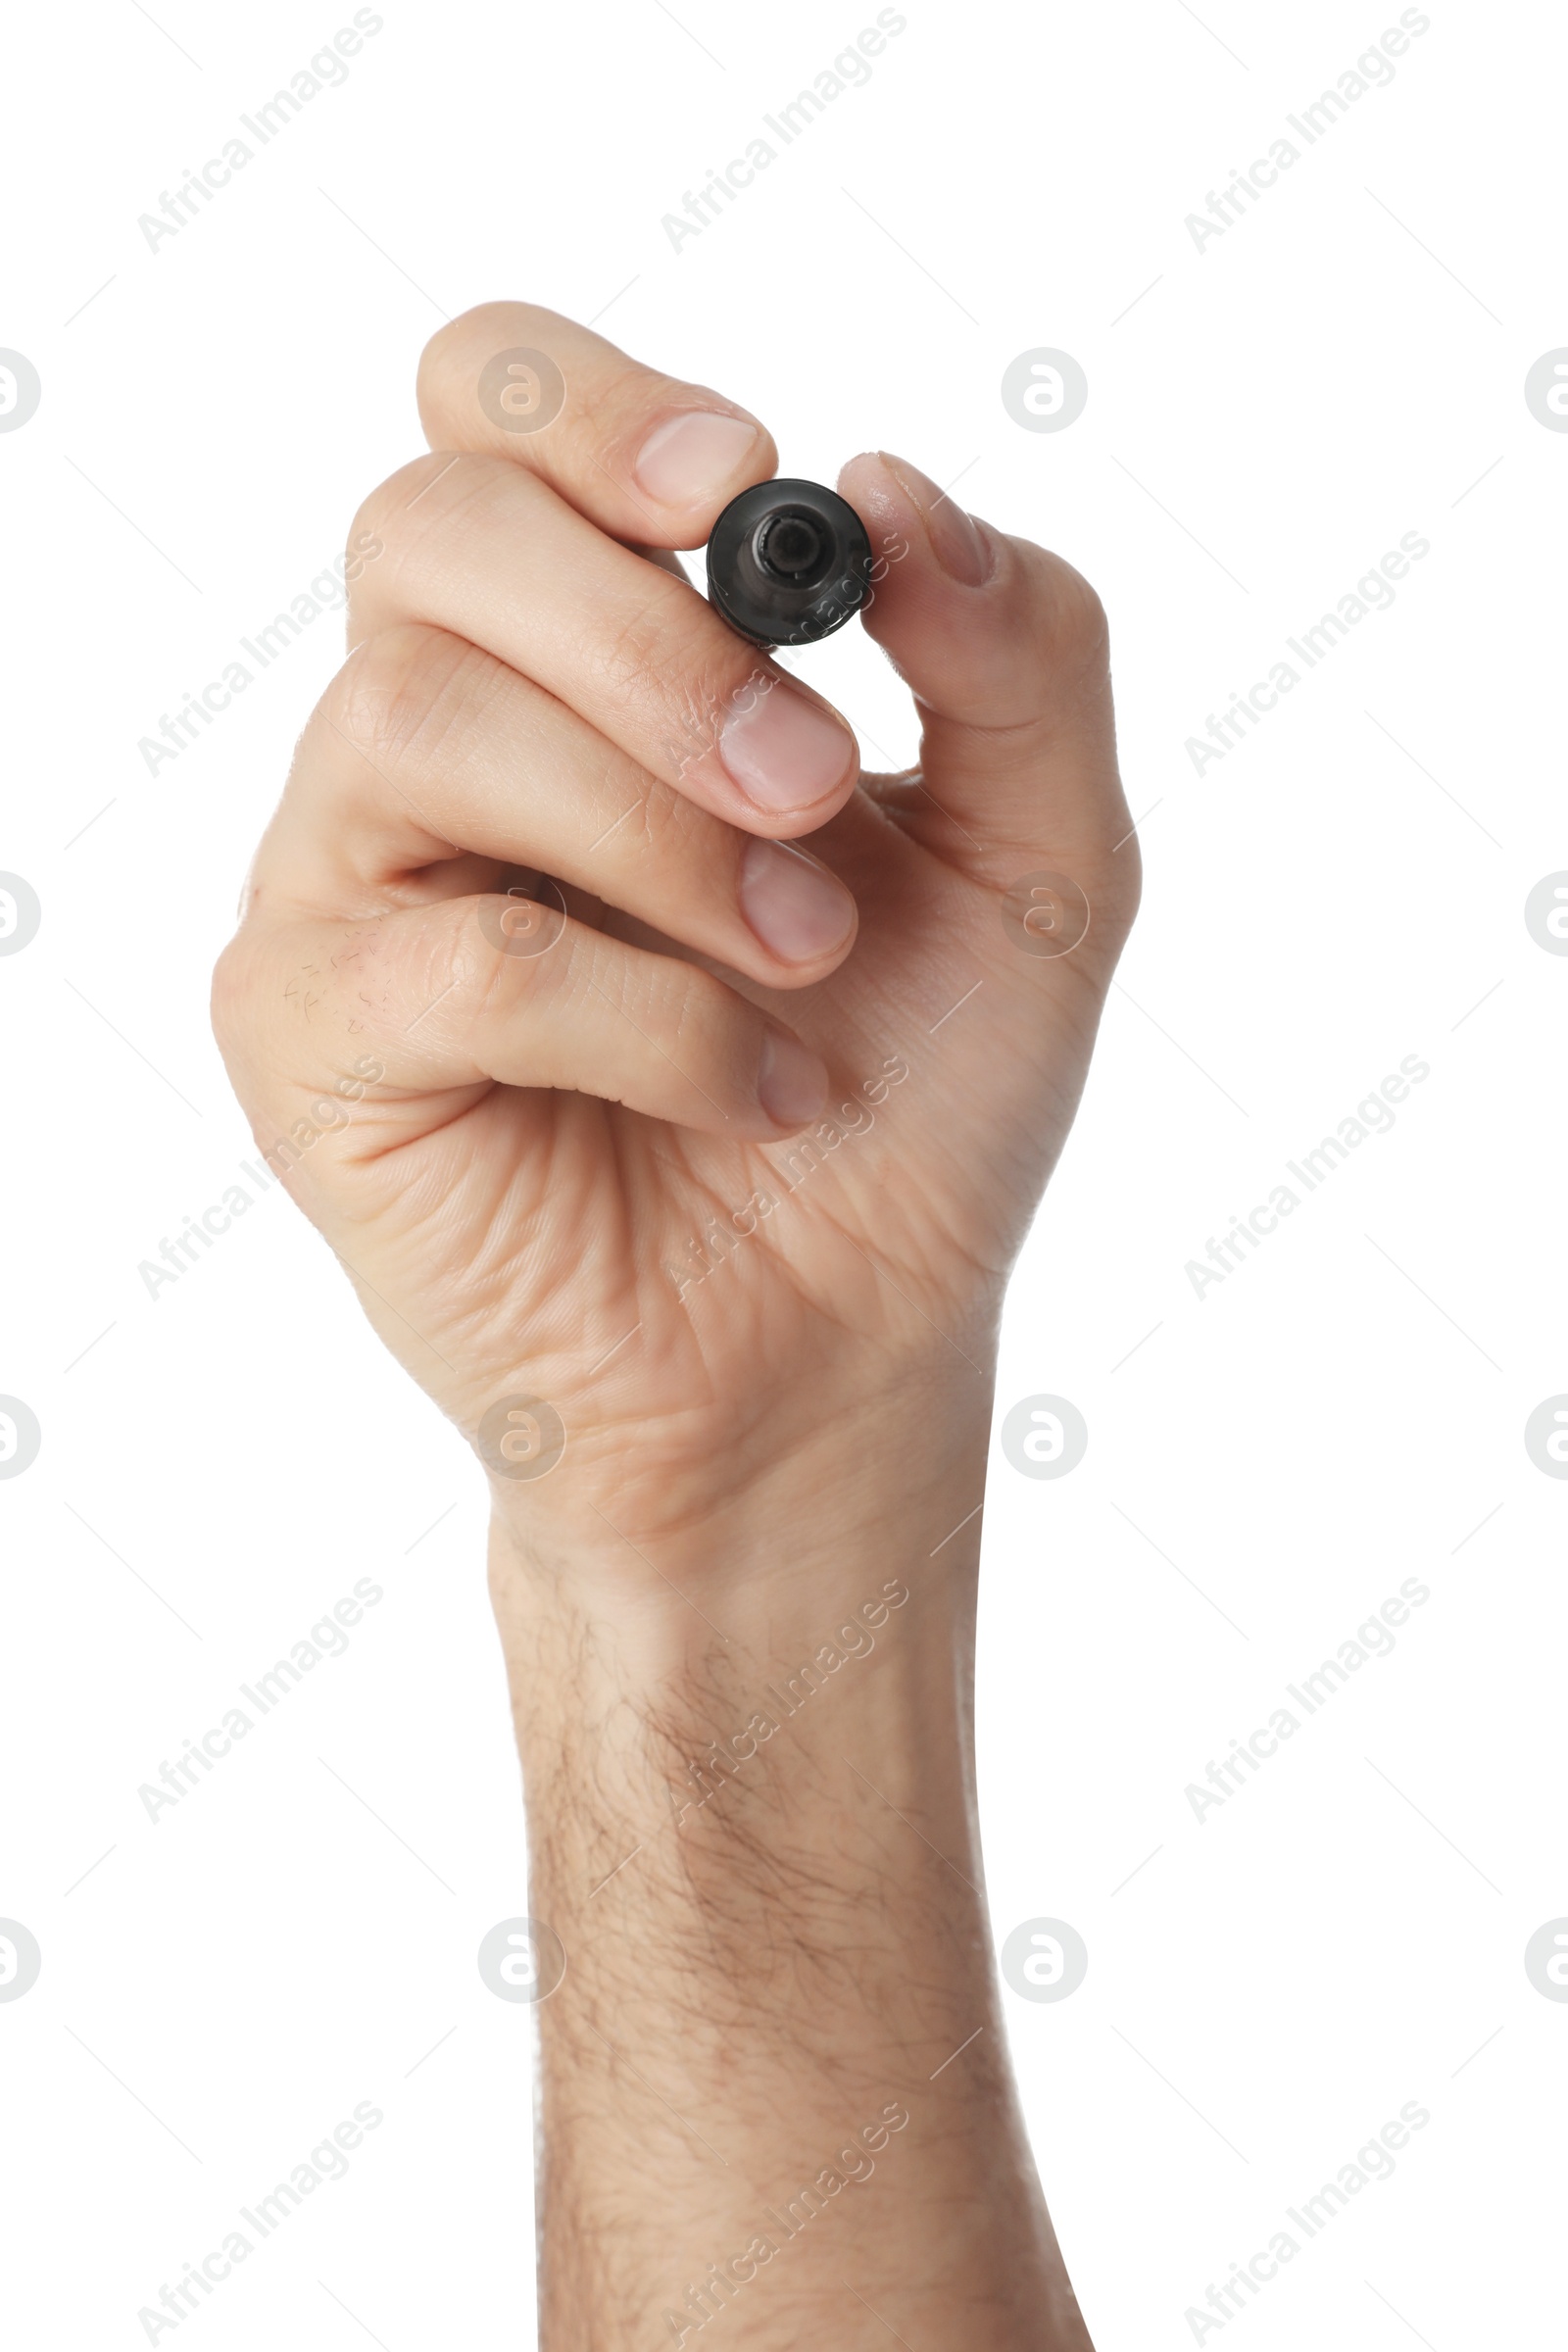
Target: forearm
[(776, 2053)]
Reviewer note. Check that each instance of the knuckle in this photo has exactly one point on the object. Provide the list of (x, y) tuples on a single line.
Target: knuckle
[(696, 681), (1113, 881), (235, 995), (691, 1014), (404, 691), (623, 394), (450, 362), (1077, 631), (371, 516), (680, 835), (392, 525), (439, 360), (642, 644)]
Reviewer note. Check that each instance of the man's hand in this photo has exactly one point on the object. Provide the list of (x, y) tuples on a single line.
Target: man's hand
[(687, 1184), (581, 1149)]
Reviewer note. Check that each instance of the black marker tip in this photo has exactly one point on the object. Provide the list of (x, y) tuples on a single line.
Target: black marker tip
[(788, 563)]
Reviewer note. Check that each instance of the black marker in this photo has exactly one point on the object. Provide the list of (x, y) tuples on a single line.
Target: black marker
[(788, 563)]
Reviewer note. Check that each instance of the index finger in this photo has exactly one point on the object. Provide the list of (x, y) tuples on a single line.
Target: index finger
[(647, 457)]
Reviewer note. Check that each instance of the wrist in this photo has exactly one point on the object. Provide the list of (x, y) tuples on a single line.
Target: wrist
[(815, 1626), (659, 1556)]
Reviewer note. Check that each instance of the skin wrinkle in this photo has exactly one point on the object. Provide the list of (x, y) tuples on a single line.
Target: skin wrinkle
[(415, 687)]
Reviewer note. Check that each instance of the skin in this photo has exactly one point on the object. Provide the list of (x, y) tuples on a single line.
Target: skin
[(546, 1173)]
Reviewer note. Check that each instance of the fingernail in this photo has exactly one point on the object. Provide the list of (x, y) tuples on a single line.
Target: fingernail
[(955, 540), (798, 909), (791, 1081), (690, 457), (786, 752)]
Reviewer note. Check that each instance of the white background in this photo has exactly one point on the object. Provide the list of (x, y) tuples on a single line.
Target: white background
[(1266, 417)]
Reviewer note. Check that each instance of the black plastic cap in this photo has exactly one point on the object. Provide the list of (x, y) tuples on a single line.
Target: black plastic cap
[(788, 563)]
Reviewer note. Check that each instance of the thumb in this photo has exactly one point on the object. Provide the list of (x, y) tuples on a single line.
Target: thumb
[(1005, 650)]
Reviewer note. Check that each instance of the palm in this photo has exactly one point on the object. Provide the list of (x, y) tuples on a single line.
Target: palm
[(630, 1272)]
